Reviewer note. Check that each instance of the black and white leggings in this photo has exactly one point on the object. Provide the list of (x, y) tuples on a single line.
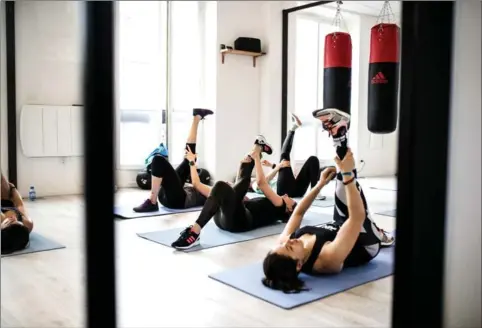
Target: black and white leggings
[(371, 235), (308, 175)]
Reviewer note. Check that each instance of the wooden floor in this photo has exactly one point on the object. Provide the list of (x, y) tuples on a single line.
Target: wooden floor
[(158, 287)]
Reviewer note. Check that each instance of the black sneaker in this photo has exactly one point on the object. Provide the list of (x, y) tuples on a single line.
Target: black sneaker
[(336, 122), (147, 206), (187, 239), (266, 147), (202, 112)]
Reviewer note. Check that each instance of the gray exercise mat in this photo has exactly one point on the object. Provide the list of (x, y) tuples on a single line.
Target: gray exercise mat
[(392, 213), (212, 236), (248, 280), (38, 243), (126, 212), (327, 202)]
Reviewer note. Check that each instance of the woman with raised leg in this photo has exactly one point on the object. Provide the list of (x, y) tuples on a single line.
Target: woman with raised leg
[(229, 208), (288, 183), (169, 185), (352, 241)]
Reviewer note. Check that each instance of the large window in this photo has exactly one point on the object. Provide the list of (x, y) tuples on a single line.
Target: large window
[(308, 88), (160, 76), (185, 63), (142, 37)]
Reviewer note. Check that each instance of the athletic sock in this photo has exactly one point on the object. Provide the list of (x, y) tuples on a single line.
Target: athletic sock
[(192, 146)]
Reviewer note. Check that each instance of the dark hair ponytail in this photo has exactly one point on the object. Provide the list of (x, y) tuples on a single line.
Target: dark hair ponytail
[(281, 274)]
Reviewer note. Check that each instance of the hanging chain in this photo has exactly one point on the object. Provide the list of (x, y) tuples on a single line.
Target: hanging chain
[(337, 20), (385, 15)]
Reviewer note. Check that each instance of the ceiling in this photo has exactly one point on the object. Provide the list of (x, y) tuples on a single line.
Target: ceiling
[(371, 8)]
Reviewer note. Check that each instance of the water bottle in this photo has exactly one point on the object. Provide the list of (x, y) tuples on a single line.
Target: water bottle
[(32, 195)]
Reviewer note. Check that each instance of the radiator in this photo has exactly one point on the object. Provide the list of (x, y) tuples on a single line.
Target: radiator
[(51, 131)]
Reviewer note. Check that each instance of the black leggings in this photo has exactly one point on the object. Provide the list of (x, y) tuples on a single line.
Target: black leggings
[(226, 205), (172, 193), (308, 175)]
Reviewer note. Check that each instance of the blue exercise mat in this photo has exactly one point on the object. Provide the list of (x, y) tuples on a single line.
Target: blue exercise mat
[(248, 280), (38, 243), (392, 213), (212, 236), (126, 212)]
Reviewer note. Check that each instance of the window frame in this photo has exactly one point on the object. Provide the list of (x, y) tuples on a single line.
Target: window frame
[(167, 48), (321, 21)]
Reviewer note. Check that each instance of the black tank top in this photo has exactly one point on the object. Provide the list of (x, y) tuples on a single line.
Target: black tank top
[(8, 205), (264, 212), (323, 233)]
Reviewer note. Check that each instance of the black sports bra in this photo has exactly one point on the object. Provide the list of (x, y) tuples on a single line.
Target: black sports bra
[(323, 233)]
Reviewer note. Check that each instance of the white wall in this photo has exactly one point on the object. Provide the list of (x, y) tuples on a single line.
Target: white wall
[(463, 238), (270, 100), (238, 85), (3, 95), (49, 71)]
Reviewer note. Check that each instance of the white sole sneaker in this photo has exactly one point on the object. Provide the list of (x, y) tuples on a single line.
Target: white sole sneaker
[(261, 141), (197, 242)]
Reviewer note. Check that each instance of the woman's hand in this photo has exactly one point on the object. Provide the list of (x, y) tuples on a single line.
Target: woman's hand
[(327, 175), (347, 164), (265, 162), (189, 155), (7, 222)]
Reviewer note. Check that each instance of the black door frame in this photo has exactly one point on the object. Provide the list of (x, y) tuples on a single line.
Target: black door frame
[(11, 91), (99, 144), (425, 86)]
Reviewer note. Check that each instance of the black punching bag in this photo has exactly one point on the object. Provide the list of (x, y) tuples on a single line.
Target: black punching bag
[(337, 71), (383, 75)]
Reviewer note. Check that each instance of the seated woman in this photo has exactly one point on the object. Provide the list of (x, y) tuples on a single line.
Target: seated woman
[(175, 192), (229, 208), (15, 223), (350, 240), (287, 182)]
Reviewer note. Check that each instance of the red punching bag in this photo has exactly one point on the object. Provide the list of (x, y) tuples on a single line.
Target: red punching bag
[(337, 71), (383, 78)]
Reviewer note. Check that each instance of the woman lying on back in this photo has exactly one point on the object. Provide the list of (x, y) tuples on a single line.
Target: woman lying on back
[(15, 224), (287, 183), (232, 211), (327, 248)]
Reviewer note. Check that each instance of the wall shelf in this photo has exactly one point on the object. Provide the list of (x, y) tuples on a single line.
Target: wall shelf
[(255, 55)]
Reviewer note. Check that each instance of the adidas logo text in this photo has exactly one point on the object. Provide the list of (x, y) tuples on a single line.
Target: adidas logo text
[(379, 78)]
